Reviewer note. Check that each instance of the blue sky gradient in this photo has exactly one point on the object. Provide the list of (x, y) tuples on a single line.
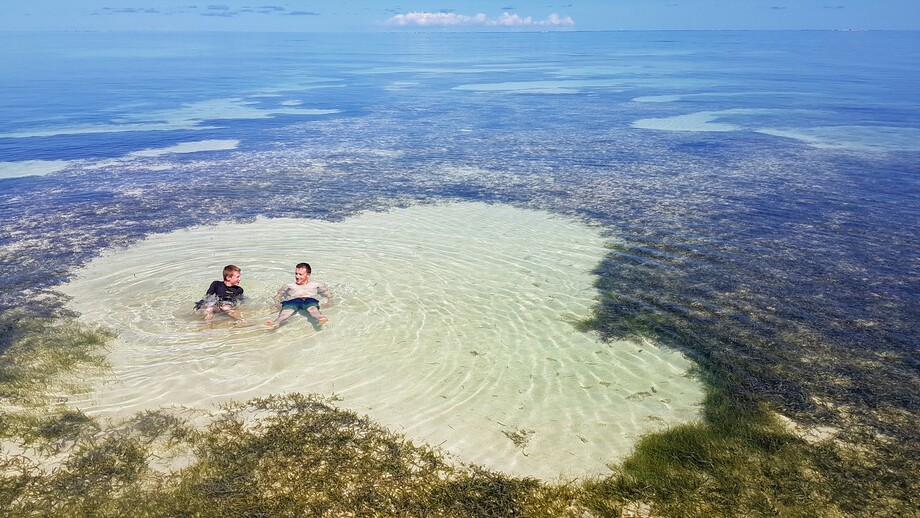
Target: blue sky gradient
[(440, 15)]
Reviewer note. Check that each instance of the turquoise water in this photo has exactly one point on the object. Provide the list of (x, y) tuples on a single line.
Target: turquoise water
[(759, 190)]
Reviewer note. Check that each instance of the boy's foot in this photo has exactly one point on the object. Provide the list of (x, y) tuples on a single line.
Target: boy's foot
[(269, 323), (322, 320)]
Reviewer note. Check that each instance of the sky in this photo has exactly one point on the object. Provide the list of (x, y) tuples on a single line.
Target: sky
[(460, 15)]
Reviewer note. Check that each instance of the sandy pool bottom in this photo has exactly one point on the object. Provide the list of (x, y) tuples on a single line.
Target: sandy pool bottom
[(452, 324)]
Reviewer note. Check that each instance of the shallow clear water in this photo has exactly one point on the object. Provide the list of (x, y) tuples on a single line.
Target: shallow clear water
[(448, 326), (757, 191)]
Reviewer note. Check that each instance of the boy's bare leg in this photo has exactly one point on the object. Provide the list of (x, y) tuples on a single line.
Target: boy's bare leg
[(234, 313), (282, 316), (314, 312)]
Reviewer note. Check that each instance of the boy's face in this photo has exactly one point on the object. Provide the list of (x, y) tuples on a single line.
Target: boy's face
[(301, 276), (233, 279)]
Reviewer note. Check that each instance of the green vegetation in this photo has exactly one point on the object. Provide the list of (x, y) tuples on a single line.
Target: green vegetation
[(39, 351), (299, 455), (739, 462)]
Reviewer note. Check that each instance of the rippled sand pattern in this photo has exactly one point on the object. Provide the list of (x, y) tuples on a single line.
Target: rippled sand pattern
[(452, 325)]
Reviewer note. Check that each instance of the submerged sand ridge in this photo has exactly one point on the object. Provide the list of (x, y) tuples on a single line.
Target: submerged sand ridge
[(452, 325)]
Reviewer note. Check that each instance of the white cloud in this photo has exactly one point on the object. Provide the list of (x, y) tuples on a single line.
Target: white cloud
[(426, 19), (437, 19)]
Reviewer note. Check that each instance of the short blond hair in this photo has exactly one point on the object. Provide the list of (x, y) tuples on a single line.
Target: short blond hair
[(230, 270)]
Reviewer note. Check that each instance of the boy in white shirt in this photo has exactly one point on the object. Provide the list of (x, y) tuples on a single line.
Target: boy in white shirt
[(301, 295)]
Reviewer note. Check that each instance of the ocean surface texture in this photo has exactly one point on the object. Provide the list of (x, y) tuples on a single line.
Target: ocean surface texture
[(756, 195)]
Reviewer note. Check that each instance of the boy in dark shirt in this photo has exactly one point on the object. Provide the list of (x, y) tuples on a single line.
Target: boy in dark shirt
[(223, 296)]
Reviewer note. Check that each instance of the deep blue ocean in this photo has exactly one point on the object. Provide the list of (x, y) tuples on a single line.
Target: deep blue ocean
[(760, 190)]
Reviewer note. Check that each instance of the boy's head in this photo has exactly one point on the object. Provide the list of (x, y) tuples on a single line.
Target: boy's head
[(302, 273), (231, 273)]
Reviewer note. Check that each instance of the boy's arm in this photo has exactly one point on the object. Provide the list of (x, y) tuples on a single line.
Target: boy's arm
[(208, 293), (281, 291), (326, 293)]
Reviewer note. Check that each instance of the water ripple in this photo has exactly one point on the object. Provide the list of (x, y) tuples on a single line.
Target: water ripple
[(449, 325)]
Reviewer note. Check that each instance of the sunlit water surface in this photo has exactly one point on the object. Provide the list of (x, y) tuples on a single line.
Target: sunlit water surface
[(452, 324), (758, 194)]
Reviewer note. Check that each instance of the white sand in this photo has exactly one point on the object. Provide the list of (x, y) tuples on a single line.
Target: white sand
[(699, 121), (189, 147), (863, 138), (31, 168), (561, 85), (451, 325), (854, 137), (187, 117)]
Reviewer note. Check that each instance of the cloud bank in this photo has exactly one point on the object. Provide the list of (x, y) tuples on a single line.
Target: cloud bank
[(448, 19)]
